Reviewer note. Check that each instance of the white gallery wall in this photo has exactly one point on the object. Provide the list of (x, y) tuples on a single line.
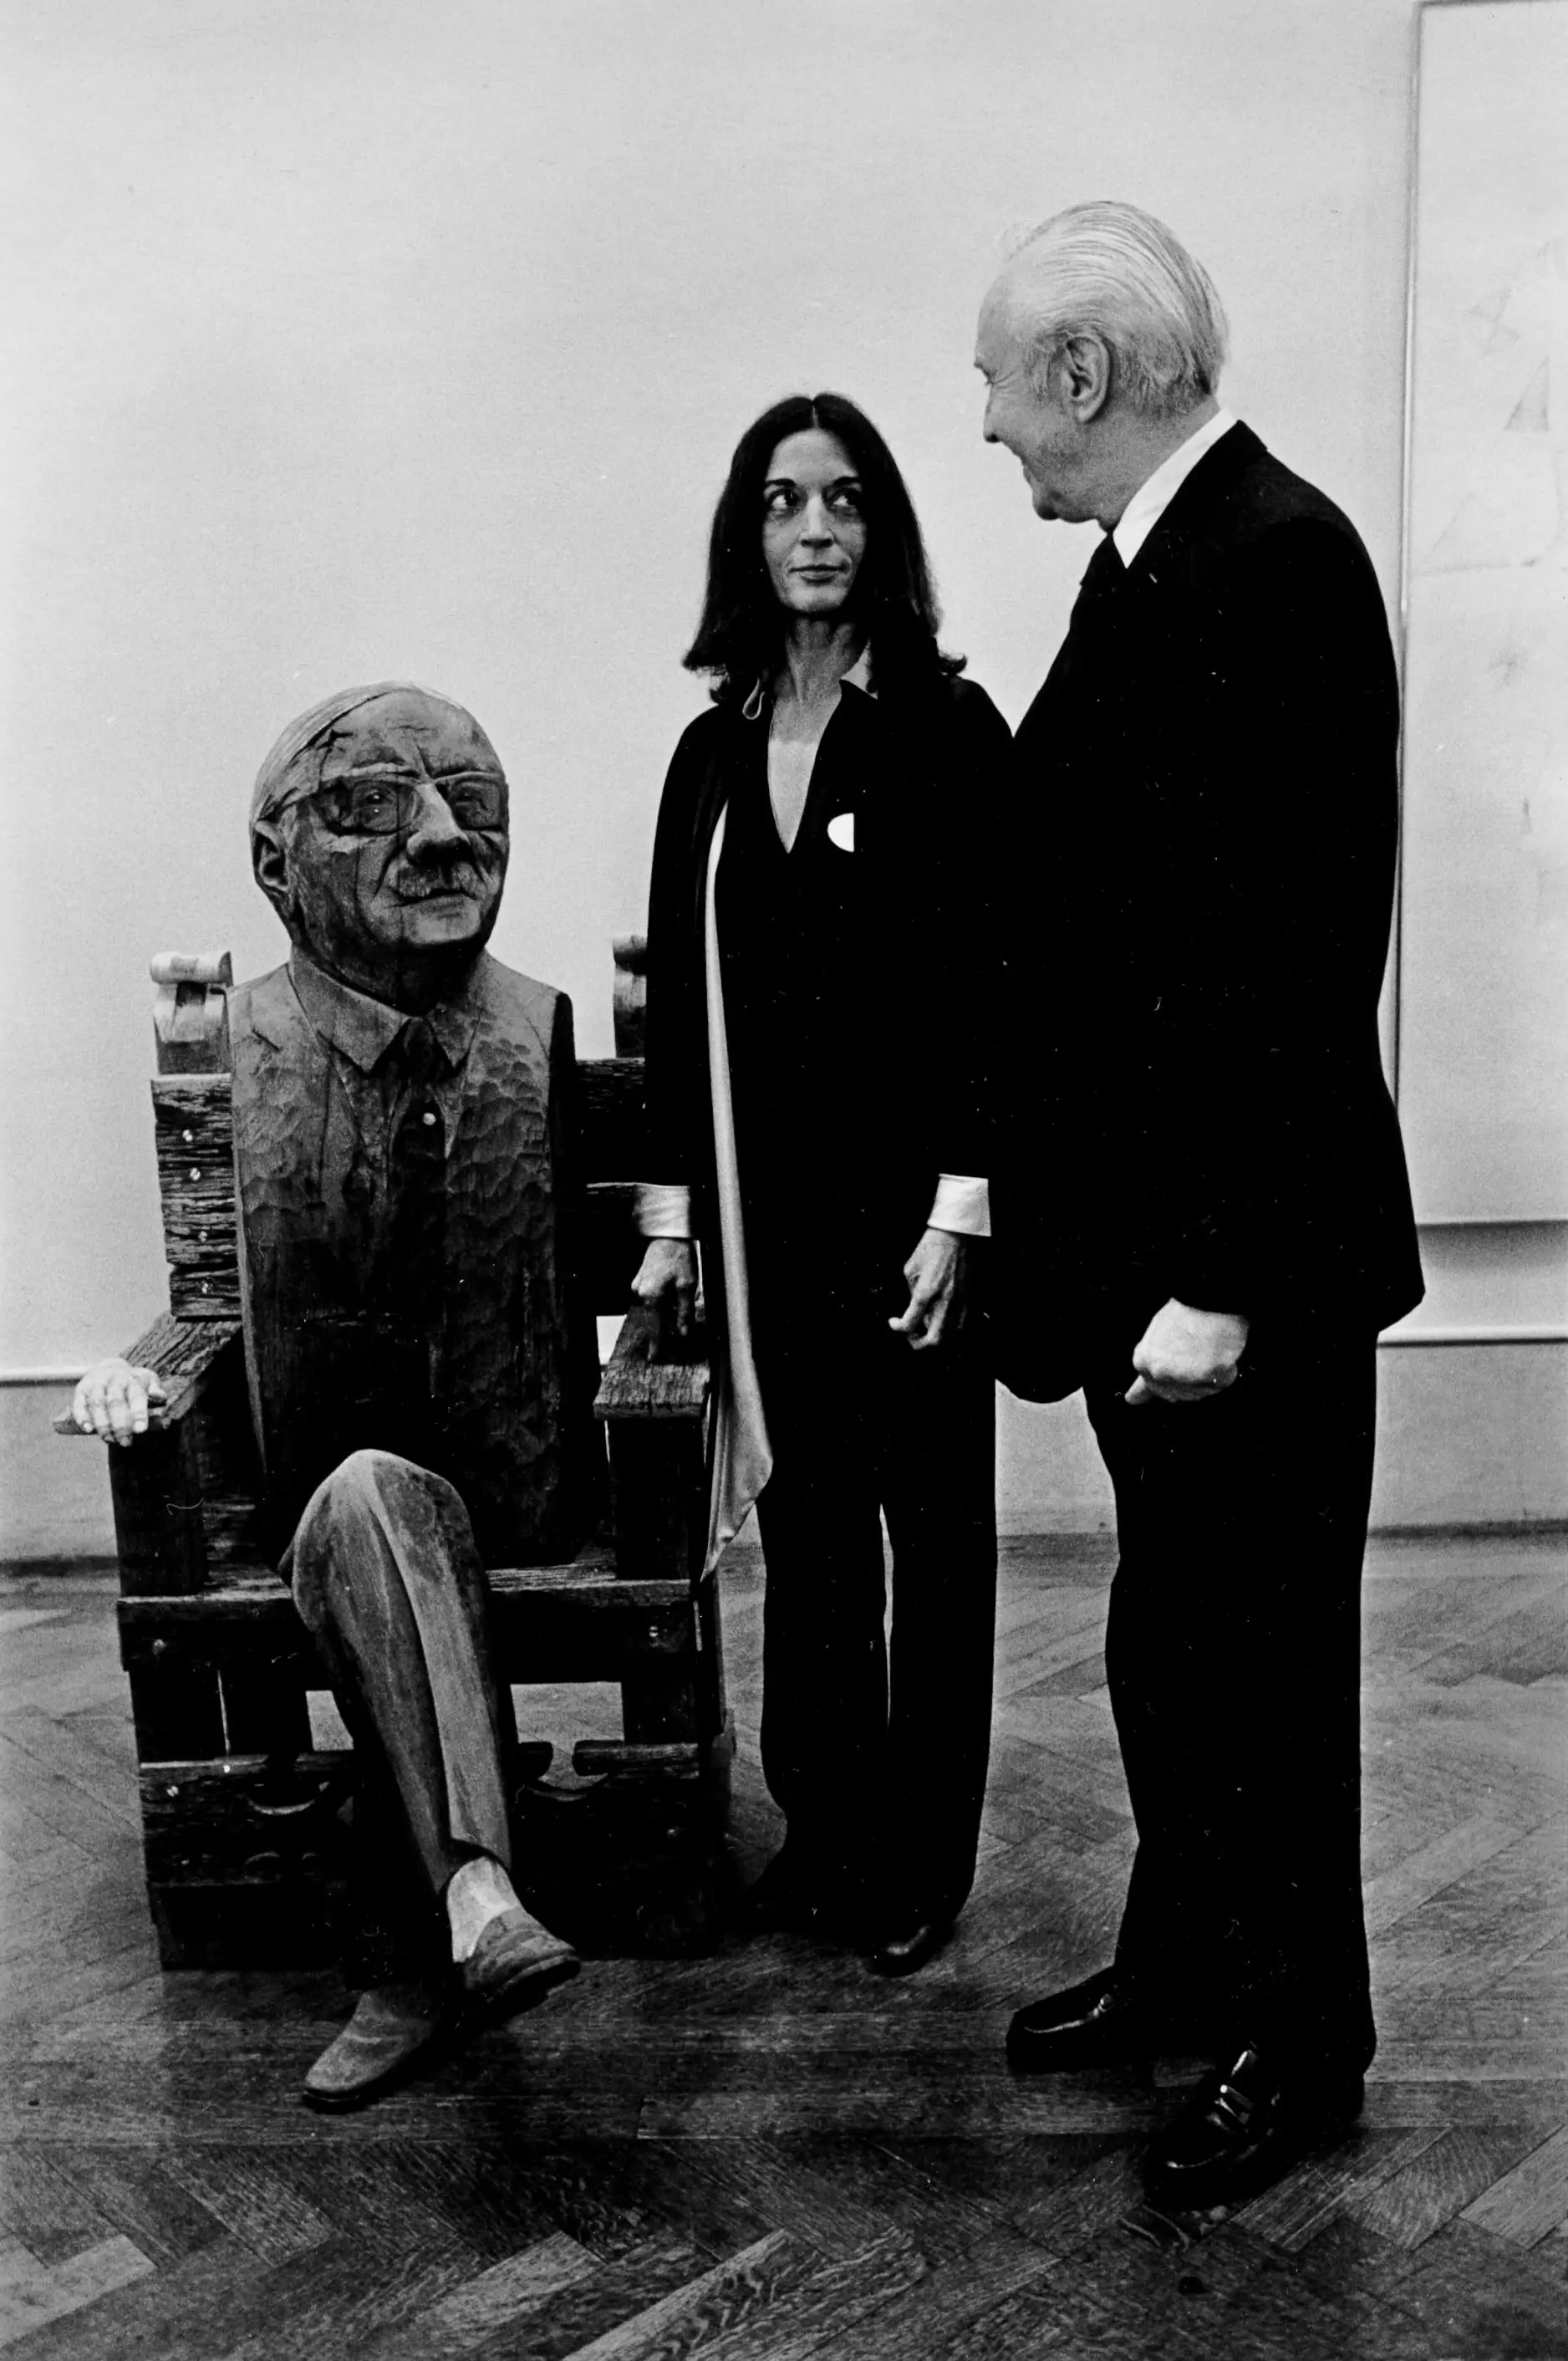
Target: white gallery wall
[(354, 338)]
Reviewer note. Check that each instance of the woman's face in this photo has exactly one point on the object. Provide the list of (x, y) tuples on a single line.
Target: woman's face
[(814, 525)]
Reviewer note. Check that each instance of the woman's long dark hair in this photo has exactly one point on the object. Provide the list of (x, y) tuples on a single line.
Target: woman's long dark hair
[(740, 637)]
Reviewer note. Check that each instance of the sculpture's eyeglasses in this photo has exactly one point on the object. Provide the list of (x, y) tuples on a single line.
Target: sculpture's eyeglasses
[(391, 807)]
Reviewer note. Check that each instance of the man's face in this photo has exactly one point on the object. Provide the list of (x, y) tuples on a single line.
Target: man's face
[(1039, 429), (398, 859)]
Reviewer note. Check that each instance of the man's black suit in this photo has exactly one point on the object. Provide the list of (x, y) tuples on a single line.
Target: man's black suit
[(1208, 789)]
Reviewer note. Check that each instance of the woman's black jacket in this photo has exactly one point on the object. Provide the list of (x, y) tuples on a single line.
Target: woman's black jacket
[(926, 775)]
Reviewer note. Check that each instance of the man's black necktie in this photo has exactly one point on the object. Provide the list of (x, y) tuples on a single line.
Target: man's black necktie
[(1102, 579)]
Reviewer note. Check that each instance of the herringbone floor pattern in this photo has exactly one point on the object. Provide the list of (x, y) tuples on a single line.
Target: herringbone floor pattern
[(768, 2154)]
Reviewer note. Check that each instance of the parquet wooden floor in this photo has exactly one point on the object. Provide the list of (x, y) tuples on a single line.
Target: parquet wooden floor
[(769, 2154)]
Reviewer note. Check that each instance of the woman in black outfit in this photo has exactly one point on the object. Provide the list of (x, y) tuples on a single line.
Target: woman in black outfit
[(820, 982)]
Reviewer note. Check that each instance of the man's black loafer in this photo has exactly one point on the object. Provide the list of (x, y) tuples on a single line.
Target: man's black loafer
[(1097, 2023), (1243, 2126)]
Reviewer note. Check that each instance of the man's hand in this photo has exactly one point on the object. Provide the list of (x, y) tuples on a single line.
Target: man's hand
[(1185, 1355), (939, 1274), (667, 1283), (113, 1400)]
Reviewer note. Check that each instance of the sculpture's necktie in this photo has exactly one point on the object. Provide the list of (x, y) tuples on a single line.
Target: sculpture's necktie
[(416, 1180)]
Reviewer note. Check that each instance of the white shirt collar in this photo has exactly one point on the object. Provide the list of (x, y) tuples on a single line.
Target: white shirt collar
[(1152, 499), (858, 676)]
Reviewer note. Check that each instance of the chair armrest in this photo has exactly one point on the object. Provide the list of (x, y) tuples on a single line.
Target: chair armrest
[(636, 1384), (184, 1353)]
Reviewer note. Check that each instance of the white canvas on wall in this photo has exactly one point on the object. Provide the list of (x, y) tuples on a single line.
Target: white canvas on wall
[(1484, 970)]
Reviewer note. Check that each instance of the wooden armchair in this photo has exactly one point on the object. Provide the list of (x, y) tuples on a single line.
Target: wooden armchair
[(245, 1819)]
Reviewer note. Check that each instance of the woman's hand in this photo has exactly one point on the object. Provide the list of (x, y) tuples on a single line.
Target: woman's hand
[(667, 1283), (113, 1400), (939, 1273)]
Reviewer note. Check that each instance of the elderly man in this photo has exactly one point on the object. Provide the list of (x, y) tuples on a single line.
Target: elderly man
[(421, 1377), (1204, 1205)]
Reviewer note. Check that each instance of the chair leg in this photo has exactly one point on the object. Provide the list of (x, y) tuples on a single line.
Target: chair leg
[(659, 1485)]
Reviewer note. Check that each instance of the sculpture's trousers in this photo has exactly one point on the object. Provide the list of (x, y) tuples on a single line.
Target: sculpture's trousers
[(1233, 1653), (386, 1577)]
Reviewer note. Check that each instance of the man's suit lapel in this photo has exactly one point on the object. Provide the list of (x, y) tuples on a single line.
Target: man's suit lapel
[(1134, 627), (1110, 594), (1196, 511), (1129, 653)]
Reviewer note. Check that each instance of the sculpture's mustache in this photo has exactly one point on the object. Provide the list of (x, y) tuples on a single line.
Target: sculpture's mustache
[(419, 883)]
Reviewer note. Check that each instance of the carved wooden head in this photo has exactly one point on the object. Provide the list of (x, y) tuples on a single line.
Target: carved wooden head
[(379, 835)]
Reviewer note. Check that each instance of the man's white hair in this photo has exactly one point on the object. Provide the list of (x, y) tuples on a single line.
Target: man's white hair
[(1112, 272)]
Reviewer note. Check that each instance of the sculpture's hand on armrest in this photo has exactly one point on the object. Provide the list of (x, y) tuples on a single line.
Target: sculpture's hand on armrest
[(116, 1402), (666, 1285)]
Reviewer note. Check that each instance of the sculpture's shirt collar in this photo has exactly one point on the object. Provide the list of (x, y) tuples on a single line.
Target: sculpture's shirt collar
[(365, 1030)]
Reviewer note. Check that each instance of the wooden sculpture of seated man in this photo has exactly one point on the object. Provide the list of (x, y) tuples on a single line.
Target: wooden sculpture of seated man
[(420, 1374)]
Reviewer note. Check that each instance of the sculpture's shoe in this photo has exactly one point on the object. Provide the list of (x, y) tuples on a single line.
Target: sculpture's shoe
[(514, 1963), (394, 2027), (397, 2027)]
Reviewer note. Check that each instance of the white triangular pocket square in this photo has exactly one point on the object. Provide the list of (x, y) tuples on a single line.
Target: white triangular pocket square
[(841, 832)]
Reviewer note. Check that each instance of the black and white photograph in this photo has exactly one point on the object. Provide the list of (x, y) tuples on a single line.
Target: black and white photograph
[(784, 1317)]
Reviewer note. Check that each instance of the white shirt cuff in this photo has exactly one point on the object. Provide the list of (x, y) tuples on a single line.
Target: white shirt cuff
[(963, 1204), (664, 1212)]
